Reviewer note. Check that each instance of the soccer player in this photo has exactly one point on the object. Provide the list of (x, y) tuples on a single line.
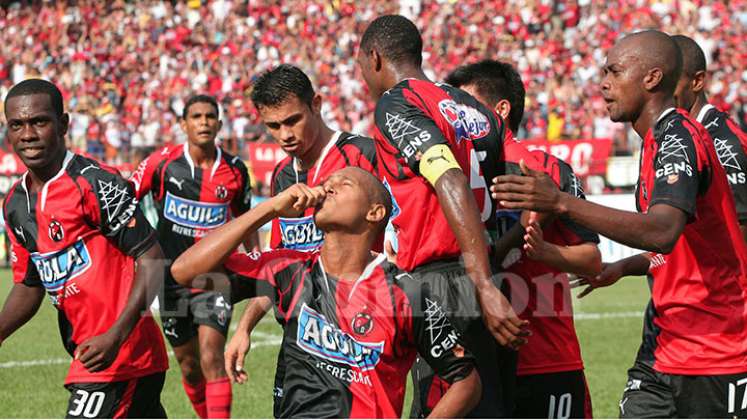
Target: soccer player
[(696, 265), (76, 232), (551, 381), (437, 148), (291, 111), (353, 323), (196, 187), (729, 140)]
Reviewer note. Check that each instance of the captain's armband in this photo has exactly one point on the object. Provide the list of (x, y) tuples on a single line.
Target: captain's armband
[(436, 161)]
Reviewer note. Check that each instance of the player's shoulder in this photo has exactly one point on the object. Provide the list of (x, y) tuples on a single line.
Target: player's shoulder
[(15, 198), (91, 169), (394, 99), (677, 128), (364, 144), (232, 160)]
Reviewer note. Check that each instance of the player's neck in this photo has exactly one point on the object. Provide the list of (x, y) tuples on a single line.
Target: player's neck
[(345, 256), (651, 112), (38, 177), (700, 102), (307, 161), (409, 72), (203, 156)]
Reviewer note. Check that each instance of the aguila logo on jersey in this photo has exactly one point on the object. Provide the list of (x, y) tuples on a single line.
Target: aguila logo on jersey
[(362, 323), (56, 233), (300, 233), (194, 214), (56, 268), (468, 123), (320, 338), (221, 192)]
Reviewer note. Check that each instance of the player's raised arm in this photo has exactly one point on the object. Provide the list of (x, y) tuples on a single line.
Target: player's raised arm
[(210, 252)]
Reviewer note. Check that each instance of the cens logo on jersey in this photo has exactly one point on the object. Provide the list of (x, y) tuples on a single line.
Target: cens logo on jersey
[(320, 338), (300, 233), (468, 123), (194, 214), (56, 268)]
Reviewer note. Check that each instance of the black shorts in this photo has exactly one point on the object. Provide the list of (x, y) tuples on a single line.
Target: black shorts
[(496, 365), (134, 398), (652, 394), (558, 395), (183, 310)]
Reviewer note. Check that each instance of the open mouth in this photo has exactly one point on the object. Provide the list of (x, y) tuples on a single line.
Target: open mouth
[(32, 152)]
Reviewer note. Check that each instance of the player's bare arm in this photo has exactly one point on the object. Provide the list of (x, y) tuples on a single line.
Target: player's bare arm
[(583, 259), (461, 397), (458, 204), (210, 252), (240, 344), (636, 265), (98, 352), (657, 230), (21, 305)]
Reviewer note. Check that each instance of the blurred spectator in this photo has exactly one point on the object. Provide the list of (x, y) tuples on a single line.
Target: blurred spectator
[(125, 68)]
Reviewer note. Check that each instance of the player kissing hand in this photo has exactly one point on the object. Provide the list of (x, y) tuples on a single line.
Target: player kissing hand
[(296, 199), (532, 191), (98, 353)]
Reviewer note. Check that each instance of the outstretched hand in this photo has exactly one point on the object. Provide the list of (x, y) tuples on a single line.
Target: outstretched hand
[(533, 190), (611, 273)]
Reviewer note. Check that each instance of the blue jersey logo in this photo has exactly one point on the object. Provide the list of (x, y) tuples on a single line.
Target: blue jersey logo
[(194, 214), (300, 234), (56, 268), (320, 338)]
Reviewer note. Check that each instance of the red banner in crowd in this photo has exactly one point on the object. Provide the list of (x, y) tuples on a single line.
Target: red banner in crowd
[(587, 157), (11, 169)]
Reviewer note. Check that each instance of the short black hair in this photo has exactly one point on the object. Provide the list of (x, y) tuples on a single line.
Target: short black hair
[(396, 38), (693, 57), (200, 99), (494, 80), (274, 86), (35, 87)]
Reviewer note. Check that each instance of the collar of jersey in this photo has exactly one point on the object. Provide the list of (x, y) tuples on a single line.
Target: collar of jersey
[(664, 114), (703, 112), (332, 141), (68, 157), (364, 275), (216, 164)]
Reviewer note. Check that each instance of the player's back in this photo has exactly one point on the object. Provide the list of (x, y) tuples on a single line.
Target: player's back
[(412, 117)]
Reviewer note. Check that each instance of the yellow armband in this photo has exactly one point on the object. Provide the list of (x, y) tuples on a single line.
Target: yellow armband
[(436, 161)]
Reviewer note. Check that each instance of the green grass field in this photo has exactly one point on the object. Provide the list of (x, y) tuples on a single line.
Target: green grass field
[(33, 363)]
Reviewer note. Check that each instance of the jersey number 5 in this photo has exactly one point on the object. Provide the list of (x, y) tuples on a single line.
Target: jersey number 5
[(477, 183)]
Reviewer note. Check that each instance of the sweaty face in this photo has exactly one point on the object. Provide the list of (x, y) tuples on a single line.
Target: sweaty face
[(202, 124), (293, 124), (622, 84), (684, 97), (35, 132), (346, 204)]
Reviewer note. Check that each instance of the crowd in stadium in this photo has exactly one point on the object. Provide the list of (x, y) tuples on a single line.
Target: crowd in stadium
[(125, 78)]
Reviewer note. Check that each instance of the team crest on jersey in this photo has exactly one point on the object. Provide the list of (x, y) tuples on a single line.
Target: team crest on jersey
[(194, 214), (362, 323), (56, 268), (221, 192), (56, 233), (468, 123), (320, 338), (300, 233)]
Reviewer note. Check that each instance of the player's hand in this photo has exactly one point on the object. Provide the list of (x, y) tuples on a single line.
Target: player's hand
[(501, 319), (611, 273), (296, 199), (234, 356), (534, 243), (532, 191), (98, 353)]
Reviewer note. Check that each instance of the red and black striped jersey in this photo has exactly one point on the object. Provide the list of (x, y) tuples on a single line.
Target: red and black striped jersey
[(343, 150), (412, 117), (543, 298), (699, 289), (730, 143), (79, 238), (191, 201), (348, 345)]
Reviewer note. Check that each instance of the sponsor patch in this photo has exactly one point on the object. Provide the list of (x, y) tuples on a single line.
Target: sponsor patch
[(320, 338), (58, 267), (300, 233), (194, 214), (468, 122)]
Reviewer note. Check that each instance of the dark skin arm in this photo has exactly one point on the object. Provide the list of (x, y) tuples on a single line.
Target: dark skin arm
[(458, 204), (461, 397), (657, 230), (636, 265), (21, 305), (97, 353), (240, 344)]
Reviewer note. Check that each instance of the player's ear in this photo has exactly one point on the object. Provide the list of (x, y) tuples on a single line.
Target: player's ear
[(376, 213), (316, 104), (183, 124), (653, 79), (698, 82), (503, 108), (64, 123), (377, 61)]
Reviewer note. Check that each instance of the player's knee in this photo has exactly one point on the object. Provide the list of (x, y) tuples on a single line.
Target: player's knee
[(190, 367), (212, 363)]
